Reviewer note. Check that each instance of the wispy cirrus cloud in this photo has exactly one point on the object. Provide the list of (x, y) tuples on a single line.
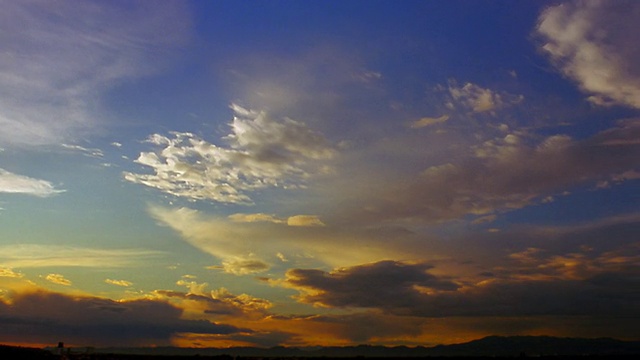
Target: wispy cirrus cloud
[(20, 184), (50, 87), (594, 44), (262, 153), (33, 255)]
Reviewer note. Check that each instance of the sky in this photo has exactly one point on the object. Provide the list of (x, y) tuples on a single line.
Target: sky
[(302, 173)]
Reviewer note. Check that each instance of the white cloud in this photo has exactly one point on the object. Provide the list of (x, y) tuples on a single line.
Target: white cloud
[(58, 279), (19, 184), (32, 255), (59, 57), (262, 153), (595, 44), (97, 153), (123, 283)]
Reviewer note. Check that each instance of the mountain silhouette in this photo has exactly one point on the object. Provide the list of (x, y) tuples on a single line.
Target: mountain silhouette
[(491, 346)]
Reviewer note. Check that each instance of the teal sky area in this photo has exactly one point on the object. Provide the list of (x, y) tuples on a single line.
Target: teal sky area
[(301, 173)]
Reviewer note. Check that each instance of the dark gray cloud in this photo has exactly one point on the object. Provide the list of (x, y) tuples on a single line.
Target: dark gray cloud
[(408, 290), (385, 284), (44, 317)]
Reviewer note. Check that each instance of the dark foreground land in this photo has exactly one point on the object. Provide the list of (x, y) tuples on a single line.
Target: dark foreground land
[(540, 347)]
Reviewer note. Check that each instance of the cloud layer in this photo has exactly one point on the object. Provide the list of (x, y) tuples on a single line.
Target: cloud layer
[(510, 171)]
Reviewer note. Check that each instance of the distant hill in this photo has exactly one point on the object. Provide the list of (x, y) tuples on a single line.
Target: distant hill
[(537, 346), (511, 346)]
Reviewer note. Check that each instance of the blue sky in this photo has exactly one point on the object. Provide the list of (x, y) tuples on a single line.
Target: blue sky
[(318, 173)]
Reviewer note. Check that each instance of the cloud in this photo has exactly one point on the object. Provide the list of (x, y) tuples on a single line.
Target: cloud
[(478, 99), (304, 220), (45, 318), (408, 290), (259, 242), (194, 287), (398, 285), (20, 184), (33, 255), (244, 266), (58, 59), (58, 279), (8, 272), (594, 44), (511, 171), (220, 303), (123, 283), (96, 153), (262, 153), (295, 220), (255, 218), (428, 121)]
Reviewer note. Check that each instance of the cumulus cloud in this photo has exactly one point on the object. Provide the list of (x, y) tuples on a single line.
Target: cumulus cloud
[(58, 279), (33, 255), (20, 184), (593, 43), (262, 153), (59, 58), (93, 321)]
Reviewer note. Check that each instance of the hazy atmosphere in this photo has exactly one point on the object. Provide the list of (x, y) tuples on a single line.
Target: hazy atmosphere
[(301, 173)]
